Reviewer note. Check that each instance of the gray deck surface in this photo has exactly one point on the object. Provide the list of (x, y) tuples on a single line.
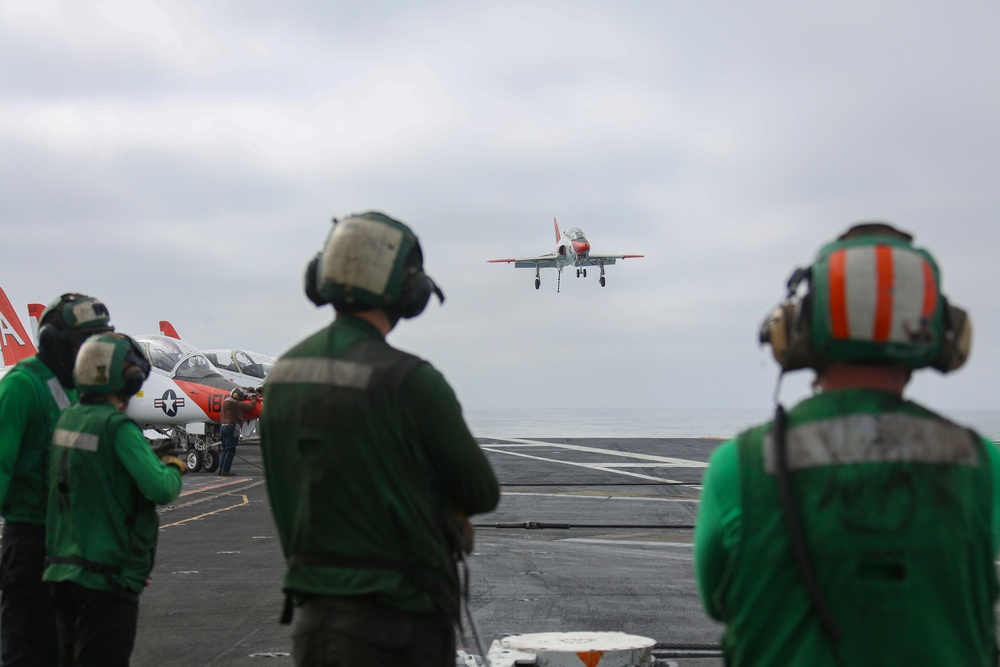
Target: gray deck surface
[(617, 556)]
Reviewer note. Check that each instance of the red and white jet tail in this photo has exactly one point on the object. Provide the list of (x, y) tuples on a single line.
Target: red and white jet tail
[(14, 340), (168, 330), (558, 233), (35, 311)]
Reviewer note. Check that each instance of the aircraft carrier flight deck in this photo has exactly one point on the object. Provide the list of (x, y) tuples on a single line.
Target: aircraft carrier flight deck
[(590, 535)]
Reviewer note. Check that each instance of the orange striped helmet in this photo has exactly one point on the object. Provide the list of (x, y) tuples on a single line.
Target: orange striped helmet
[(872, 297)]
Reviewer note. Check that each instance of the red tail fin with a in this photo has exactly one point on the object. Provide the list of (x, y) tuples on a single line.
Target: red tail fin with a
[(13, 340), (558, 233), (167, 329)]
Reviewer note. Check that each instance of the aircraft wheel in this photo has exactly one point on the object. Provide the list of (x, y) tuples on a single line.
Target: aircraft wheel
[(602, 281), (585, 273), (193, 460), (538, 283), (210, 460)]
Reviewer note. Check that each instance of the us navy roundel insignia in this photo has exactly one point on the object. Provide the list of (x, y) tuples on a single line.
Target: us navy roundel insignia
[(169, 403)]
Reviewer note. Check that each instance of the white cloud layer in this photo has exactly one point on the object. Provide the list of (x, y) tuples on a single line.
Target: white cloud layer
[(181, 161)]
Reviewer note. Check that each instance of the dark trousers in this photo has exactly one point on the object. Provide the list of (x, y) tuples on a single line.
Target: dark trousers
[(349, 632), (27, 619), (229, 442), (96, 628)]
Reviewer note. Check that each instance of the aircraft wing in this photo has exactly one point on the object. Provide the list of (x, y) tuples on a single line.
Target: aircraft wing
[(542, 262), (605, 260)]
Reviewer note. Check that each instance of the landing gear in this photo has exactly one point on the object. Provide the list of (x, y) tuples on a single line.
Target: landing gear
[(538, 279), (602, 275), (585, 273), (210, 460), (602, 281), (194, 461), (581, 272)]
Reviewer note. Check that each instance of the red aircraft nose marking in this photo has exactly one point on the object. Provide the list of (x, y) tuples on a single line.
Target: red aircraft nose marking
[(581, 247)]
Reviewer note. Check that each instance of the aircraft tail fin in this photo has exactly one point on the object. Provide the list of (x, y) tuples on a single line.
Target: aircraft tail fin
[(14, 340), (167, 329), (35, 311), (558, 233)]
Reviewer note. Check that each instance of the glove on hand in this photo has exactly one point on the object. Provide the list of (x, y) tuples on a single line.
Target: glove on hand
[(176, 462)]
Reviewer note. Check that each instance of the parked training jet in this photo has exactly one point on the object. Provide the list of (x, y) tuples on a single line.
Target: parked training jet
[(572, 249), (181, 399), (245, 368)]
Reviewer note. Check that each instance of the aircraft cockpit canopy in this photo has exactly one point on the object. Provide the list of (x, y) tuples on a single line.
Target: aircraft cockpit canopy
[(176, 357), (575, 234), (242, 361)]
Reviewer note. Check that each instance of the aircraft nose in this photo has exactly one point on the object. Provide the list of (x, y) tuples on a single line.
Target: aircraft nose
[(582, 247)]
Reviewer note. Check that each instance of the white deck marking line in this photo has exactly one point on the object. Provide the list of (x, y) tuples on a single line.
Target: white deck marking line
[(676, 462), (576, 495), (589, 466), (246, 501)]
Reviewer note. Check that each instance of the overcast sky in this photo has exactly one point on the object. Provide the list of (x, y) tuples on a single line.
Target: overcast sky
[(182, 161)]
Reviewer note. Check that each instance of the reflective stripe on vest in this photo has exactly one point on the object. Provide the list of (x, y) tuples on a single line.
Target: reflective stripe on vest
[(874, 438), (58, 393), (331, 372), (75, 440)]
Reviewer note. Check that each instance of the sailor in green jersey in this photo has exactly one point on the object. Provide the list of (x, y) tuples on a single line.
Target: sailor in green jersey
[(32, 394), (859, 528), (102, 522), (368, 463)]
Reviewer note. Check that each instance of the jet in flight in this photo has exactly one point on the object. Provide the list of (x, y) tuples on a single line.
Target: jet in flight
[(572, 249)]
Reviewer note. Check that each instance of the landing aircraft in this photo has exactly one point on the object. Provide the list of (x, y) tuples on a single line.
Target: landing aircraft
[(245, 368), (572, 249)]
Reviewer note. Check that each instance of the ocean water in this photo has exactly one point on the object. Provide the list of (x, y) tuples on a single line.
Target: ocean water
[(655, 422)]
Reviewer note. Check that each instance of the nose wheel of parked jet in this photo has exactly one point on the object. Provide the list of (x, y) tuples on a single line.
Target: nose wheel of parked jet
[(193, 460)]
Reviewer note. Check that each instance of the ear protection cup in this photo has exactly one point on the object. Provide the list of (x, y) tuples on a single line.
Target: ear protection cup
[(787, 331), (48, 335), (311, 286), (957, 343), (133, 382), (416, 293)]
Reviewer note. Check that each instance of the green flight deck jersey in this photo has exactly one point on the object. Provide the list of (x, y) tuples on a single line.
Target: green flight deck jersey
[(901, 518), (366, 453), (106, 483), (31, 399)]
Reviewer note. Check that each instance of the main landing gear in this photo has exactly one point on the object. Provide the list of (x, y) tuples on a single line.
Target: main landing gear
[(602, 275), (538, 279)]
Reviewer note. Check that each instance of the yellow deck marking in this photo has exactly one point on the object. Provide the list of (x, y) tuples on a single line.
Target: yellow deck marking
[(246, 501)]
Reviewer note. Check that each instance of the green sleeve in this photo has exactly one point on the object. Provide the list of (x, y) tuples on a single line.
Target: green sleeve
[(993, 457), (718, 526), (17, 401), (434, 414), (158, 482)]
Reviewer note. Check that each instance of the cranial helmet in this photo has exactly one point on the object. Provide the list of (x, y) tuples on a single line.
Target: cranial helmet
[(237, 393), (65, 324), (371, 261), (110, 363), (871, 296)]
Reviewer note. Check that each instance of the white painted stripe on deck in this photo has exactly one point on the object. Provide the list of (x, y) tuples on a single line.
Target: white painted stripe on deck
[(668, 460), (589, 466), (582, 494)]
